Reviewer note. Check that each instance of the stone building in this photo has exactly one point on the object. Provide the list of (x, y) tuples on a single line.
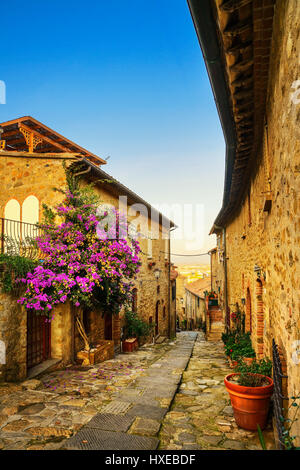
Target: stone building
[(181, 282), (31, 159), (251, 50), (173, 304), (195, 302)]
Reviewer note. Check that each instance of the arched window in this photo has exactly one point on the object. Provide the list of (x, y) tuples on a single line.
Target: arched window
[(30, 217), (164, 313), (11, 230), (12, 210), (30, 210)]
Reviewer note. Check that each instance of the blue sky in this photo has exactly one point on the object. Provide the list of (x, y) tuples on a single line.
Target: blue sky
[(126, 79)]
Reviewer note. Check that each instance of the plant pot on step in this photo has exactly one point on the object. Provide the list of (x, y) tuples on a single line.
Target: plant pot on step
[(130, 345), (250, 404)]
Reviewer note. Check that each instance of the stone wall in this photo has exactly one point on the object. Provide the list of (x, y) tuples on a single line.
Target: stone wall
[(25, 176), (195, 310), (13, 328), (217, 272), (181, 282), (270, 239), (172, 310)]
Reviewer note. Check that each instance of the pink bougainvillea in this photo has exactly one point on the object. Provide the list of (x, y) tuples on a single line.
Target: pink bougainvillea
[(83, 262)]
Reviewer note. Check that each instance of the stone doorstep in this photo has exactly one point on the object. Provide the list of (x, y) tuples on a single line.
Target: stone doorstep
[(41, 368)]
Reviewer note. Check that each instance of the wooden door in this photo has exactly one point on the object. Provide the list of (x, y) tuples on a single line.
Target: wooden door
[(108, 326), (38, 339)]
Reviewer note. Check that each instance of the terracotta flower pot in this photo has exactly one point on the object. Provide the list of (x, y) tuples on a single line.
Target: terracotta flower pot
[(129, 345), (250, 404)]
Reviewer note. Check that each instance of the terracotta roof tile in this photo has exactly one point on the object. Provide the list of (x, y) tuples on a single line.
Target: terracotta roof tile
[(199, 287)]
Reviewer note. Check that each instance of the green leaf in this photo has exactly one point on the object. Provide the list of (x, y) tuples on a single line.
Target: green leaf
[(261, 438)]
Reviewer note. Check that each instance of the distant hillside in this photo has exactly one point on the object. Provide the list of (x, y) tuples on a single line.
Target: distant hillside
[(193, 273)]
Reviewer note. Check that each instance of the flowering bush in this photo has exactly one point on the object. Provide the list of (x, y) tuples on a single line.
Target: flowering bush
[(86, 260)]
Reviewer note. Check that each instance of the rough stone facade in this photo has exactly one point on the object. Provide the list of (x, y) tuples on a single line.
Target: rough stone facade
[(13, 327), (217, 270), (33, 175), (195, 310), (262, 241), (181, 299)]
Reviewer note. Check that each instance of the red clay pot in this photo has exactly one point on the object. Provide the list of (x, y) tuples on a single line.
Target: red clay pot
[(250, 404), (129, 346)]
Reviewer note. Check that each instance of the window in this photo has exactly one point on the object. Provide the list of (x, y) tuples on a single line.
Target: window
[(164, 313), (158, 289), (30, 210), (12, 210)]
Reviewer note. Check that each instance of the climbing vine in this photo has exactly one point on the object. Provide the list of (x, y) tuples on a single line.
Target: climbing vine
[(12, 268)]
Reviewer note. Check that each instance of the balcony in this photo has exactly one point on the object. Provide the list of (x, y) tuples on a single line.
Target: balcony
[(19, 239)]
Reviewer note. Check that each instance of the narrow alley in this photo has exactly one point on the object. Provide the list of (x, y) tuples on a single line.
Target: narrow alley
[(181, 382)]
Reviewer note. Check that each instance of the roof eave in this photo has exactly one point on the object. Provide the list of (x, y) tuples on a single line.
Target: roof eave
[(203, 18)]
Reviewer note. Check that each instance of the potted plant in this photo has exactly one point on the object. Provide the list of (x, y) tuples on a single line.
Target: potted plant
[(250, 390), (134, 329), (239, 346)]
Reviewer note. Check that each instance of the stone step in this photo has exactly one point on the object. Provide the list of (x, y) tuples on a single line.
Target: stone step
[(160, 339)]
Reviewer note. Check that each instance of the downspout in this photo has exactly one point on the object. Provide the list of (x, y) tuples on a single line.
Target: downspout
[(211, 273), (225, 274), (225, 281)]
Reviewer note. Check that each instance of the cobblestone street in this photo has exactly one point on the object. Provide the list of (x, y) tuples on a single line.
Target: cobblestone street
[(129, 403), (41, 414), (201, 416)]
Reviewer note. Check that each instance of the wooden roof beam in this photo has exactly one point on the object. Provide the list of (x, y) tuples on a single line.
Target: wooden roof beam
[(232, 5), (42, 137)]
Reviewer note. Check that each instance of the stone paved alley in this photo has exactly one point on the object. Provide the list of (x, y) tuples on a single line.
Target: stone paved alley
[(143, 400)]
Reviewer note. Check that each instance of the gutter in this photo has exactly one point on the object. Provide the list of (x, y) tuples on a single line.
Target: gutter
[(205, 26)]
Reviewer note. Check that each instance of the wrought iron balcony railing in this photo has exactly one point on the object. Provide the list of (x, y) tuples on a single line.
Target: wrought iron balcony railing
[(19, 238)]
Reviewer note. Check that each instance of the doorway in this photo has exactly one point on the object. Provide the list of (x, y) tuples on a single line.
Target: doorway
[(108, 326), (38, 339)]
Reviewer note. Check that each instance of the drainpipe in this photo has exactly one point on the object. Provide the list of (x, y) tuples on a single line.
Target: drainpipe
[(225, 279), (225, 274)]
